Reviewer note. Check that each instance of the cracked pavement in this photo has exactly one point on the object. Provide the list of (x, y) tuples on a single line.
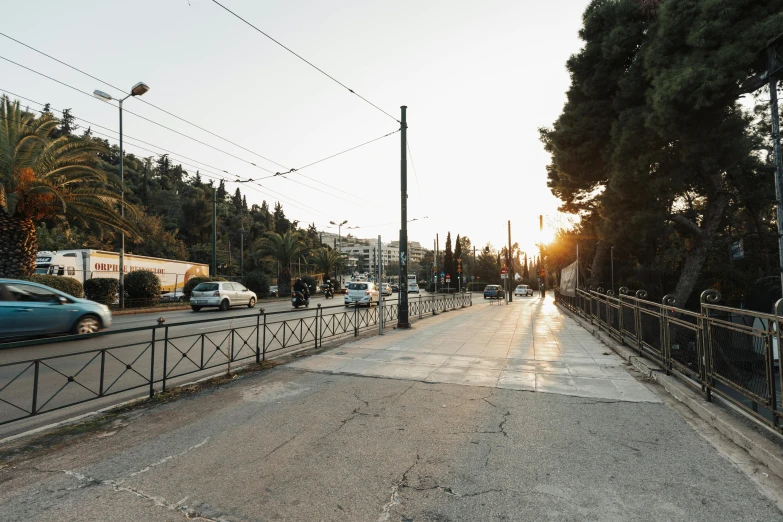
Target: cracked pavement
[(290, 444)]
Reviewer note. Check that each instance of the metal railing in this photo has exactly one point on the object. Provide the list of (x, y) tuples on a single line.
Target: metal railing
[(153, 357), (727, 351)]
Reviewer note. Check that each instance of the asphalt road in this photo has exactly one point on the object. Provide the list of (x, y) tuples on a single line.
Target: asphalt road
[(294, 445), (195, 340)]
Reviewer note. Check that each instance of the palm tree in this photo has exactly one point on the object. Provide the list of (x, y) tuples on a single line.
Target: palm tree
[(284, 248), (327, 260), (47, 179)]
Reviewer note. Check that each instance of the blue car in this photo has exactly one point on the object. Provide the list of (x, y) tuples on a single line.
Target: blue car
[(29, 309), (494, 292)]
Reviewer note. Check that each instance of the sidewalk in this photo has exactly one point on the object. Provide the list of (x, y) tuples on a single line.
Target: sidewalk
[(529, 345), (540, 425)]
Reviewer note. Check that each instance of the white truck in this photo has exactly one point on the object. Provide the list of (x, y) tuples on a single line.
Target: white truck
[(87, 264)]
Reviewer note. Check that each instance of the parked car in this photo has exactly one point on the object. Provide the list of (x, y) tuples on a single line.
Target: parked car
[(413, 288), (360, 293), (395, 288), (494, 292), (273, 291), (172, 297), (386, 289), (222, 294), (523, 290), (31, 309)]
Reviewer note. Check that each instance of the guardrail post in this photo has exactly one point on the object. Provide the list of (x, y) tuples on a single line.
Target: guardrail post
[(420, 316), (356, 320), (707, 296), (103, 367), (35, 387), (152, 362), (258, 348), (778, 312), (640, 294), (316, 324), (666, 347), (165, 354), (263, 342)]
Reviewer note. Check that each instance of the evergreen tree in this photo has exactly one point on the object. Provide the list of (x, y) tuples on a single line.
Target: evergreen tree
[(449, 266), (457, 259)]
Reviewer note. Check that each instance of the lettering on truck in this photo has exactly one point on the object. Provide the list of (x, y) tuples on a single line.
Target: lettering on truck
[(108, 267)]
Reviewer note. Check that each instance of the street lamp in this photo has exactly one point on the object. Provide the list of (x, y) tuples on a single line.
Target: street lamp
[(339, 242), (137, 90)]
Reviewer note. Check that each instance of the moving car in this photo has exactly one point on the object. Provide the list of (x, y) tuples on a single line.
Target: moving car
[(31, 309), (222, 294), (523, 290), (395, 288), (494, 292), (386, 289), (172, 297), (273, 291), (360, 293)]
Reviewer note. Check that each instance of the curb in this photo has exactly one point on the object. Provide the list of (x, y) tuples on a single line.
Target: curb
[(733, 428)]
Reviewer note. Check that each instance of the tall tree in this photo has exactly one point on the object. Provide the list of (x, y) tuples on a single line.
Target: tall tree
[(457, 259), (284, 249), (47, 179), (449, 266)]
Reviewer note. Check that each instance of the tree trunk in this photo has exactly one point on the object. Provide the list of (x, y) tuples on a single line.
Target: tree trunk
[(18, 247), (598, 270), (284, 282), (697, 255)]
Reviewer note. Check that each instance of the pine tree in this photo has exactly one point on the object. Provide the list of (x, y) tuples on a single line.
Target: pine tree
[(457, 259), (449, 266)]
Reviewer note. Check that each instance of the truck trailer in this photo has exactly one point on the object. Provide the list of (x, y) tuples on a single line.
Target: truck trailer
[(87, 264)]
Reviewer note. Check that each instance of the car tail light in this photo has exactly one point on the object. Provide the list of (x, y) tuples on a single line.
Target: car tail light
[(216, 294)]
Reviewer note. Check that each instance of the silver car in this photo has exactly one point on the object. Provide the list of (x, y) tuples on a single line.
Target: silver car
[(222, 294)]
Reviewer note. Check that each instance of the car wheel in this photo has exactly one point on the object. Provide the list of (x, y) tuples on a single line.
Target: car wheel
[(182, 299), (195, 308), (223, 305), (88, 324), (252, 302)]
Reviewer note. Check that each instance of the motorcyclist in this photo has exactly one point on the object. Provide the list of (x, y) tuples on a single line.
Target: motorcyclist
[(328, 286), (300, 286)]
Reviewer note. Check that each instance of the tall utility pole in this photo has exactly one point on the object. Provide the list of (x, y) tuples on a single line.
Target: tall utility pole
[(773, 69), (510, 274), (242, 253), (379, 266), (214, 232), (402, 313)]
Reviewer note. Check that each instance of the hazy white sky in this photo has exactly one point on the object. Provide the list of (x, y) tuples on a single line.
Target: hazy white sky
[(478, 78)]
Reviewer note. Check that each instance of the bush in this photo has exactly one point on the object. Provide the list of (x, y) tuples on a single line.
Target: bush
[(193, 281), (142, 284), (64, 284), (258, 282), (310, 282), (102, 290)]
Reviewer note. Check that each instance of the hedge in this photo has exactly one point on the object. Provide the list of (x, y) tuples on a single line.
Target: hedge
[(193, 281), (102, 290), (64, 284), (258, 282), (142, 284)]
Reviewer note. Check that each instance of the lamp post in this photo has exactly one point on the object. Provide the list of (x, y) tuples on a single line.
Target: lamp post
[(339, 242), (137, 90)]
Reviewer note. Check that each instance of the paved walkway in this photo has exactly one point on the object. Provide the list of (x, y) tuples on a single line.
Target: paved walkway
[(529, 345)]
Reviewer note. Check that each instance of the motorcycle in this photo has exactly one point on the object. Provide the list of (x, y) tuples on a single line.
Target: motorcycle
[(327, 291), (299, 299)]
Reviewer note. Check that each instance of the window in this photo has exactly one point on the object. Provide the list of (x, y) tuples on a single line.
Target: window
[(206, 287), (71, 271), (357, 286), (25, 293)]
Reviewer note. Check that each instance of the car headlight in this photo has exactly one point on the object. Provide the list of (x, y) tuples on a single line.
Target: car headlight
[(104, 308)]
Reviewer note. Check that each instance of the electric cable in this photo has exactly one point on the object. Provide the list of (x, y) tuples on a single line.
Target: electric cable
[(141, 99), (308, 63)]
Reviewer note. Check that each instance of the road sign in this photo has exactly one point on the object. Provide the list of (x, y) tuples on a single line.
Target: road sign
[(448, 278), (504, 270), (503, 276), (443, 274)]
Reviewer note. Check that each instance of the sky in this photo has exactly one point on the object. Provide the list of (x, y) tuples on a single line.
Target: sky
[(478, 78)]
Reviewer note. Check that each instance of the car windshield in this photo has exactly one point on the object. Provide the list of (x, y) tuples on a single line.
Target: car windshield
[(357, 286), (206, 287)]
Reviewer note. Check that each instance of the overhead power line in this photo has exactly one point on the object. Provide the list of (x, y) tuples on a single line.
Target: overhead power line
[(335, 80), (141, 99)]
